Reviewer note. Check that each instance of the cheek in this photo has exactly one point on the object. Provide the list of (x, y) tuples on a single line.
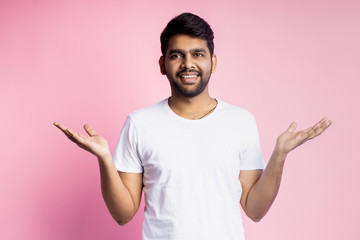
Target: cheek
[(167, 69), (170, 67), (206, 67)]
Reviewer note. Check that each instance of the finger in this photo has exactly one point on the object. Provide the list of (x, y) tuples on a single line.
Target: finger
[(316, 126), (328, 123), (292, 127), (323, 127), (319, 128), (58, 125), (89, 130), (69, 135), (303, 135), (78, 137), (61, 127), (321, 122), (310, 132), (74, 137)]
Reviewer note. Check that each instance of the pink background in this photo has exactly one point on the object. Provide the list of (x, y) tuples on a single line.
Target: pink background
[(95, 61)]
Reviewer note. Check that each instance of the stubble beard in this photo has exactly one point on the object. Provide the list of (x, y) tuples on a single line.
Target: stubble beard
[(182, 91)]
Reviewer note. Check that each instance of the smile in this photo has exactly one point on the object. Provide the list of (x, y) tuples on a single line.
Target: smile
[(189, 76)]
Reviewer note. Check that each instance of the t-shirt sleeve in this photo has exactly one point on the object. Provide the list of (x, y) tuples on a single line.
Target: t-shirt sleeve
[(125, 156), (251, 157)]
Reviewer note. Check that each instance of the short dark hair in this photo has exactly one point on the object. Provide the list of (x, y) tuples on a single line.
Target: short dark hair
[(189, 24)]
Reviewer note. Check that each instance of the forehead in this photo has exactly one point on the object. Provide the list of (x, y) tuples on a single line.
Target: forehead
[(186, 43)]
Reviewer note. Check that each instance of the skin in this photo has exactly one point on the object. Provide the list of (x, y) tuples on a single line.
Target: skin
[(190, 99), (186, 53), (261, 187)]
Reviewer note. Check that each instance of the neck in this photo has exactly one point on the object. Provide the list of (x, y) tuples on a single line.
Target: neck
[(194, 107)]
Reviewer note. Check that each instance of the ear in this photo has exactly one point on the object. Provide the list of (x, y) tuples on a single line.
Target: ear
[(162, 65), (214, 62)]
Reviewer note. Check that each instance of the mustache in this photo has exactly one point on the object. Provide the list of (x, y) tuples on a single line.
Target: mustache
[(188, 71)]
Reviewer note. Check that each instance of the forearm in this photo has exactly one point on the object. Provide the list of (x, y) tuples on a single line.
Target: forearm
[(263, 193), (116, 196)]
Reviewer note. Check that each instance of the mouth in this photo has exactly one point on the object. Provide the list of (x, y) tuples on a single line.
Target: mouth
[(189, 77)]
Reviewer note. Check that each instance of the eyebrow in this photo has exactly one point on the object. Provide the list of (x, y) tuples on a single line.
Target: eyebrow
[(194, 50)]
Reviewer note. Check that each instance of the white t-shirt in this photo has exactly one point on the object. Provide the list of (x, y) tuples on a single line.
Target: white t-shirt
[(190, 169)]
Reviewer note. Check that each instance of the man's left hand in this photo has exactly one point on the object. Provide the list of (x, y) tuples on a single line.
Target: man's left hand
[(290, 139)]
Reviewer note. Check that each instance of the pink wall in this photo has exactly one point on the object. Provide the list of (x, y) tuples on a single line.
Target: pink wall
[(95, 61)]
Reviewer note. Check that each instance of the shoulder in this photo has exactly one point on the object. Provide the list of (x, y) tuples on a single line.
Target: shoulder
[(238, 119), (234, 112), (148, 110), (149, 114)]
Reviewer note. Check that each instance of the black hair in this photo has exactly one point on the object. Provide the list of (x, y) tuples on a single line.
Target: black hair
[(189, 24)]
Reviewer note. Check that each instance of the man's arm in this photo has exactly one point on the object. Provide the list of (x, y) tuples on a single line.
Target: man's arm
[(261, 187), (121, 191)]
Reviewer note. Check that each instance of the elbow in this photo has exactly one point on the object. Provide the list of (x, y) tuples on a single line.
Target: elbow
[(121, 218), (122, 222), (255, 214), (256, 219)]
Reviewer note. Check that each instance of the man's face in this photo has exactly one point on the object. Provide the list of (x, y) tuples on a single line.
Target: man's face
[(188, 65)]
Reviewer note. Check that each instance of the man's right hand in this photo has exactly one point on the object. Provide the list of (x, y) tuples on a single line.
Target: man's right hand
[(93, 143)]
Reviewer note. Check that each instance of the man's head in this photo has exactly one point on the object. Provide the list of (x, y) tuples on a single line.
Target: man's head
[(188, 57), (188, 24)]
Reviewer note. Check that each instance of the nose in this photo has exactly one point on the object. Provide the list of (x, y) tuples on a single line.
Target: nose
[(187, 62)]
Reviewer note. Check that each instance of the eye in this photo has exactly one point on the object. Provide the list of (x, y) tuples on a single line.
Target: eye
[(174, 56), (199, 54)]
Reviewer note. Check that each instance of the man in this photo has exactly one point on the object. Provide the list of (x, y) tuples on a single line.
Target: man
[(195, 157)]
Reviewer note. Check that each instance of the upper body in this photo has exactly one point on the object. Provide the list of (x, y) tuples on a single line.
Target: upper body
[(190, 148), (191, 154), (190, 169), (199, 157)]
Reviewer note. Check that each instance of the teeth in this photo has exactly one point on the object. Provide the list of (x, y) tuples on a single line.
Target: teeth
[(189, 76)]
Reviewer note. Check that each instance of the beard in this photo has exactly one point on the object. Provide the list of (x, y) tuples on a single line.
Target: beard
[(181, 89)]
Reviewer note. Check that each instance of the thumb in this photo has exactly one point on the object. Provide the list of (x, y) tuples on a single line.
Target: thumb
[(89, 130), (292, 127)]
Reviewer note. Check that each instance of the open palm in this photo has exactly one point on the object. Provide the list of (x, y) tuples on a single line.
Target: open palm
[(290, 139), (93, 143)]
